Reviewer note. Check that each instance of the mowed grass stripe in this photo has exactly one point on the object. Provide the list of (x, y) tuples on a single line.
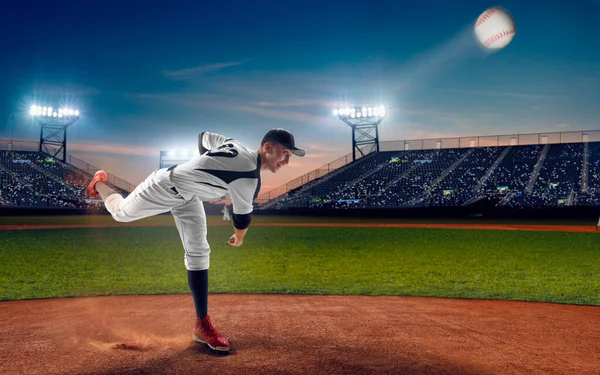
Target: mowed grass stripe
[(521, 265)]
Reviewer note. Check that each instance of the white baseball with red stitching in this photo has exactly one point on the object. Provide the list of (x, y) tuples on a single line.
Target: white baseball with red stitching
[(495, 28)]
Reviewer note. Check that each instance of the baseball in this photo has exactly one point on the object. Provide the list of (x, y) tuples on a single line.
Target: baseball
[(494, 28)]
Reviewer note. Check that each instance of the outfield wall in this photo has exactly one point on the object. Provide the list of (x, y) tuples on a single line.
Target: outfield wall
[(492, 212), (550, 213)]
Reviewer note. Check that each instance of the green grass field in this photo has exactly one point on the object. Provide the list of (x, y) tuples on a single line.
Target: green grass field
[(512, 265), (212, 219)]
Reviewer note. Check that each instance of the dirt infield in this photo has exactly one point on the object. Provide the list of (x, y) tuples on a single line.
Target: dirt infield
[(285, 334), (301, 334)]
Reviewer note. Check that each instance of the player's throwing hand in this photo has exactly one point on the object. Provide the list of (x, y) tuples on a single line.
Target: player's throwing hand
[(235, 240)]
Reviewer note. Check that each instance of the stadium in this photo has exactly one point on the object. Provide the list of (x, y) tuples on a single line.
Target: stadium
[(539, 189), (430, 206), (541, 175)]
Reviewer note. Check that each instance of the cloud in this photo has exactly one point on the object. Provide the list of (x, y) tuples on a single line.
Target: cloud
[(221, 103), (113, 149), (189, 73), (328, 148), (285, 115), (424, 134), (563, 126), (296, 102), (518, 95), (183, 99)]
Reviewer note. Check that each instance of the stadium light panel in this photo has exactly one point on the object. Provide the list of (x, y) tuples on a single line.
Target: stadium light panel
[(43, 111), (365, 112)]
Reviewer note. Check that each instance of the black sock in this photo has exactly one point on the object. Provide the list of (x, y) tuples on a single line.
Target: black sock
[(198, 283)]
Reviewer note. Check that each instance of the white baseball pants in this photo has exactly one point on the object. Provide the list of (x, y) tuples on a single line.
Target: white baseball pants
[(156, 195)]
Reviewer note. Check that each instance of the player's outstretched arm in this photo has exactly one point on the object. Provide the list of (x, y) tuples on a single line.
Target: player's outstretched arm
[(242, 193)]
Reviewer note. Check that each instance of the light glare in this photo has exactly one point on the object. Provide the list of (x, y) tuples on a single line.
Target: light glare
[(360, 112)]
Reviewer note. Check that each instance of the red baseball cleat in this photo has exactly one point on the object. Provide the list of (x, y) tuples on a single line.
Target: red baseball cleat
[(205, 333), (99, 176)]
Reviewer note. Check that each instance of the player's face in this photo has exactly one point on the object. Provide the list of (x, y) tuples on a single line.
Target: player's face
[(276, 157)]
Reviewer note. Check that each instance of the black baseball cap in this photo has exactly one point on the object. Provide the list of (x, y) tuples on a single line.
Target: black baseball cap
[(284, 138)]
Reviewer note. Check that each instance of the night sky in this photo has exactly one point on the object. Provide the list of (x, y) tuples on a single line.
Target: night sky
[(149, 76)]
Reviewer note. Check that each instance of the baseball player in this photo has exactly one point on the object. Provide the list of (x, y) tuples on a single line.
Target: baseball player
[(224, 166), (225, 212)]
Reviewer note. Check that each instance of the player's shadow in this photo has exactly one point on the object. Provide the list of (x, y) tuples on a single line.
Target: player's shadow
[(198, 358), (205, 349)]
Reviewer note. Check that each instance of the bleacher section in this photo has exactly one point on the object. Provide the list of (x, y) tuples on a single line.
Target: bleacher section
[(460, 185), (559, 178), (34, 179), (417, 182), (520, 176), (547, 175), (590, 195)]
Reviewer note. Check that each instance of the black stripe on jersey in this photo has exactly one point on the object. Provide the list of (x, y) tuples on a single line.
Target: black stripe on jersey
[(258, 173), (215, 186), (229, 139), (232, 154), (230, 176)]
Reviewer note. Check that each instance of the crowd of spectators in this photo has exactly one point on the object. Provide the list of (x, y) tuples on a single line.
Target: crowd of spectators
[(460, 185), (380, 180), (413, 178), (34, 179), (559, 179)]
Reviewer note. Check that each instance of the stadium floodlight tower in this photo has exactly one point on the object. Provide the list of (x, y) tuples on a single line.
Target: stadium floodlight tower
[(365, 122), (54, 123)]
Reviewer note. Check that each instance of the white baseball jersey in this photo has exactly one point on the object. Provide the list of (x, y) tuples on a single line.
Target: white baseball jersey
[(227, 167)]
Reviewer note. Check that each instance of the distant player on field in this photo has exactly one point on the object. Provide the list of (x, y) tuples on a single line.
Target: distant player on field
[(224, 166), (225, 212)]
